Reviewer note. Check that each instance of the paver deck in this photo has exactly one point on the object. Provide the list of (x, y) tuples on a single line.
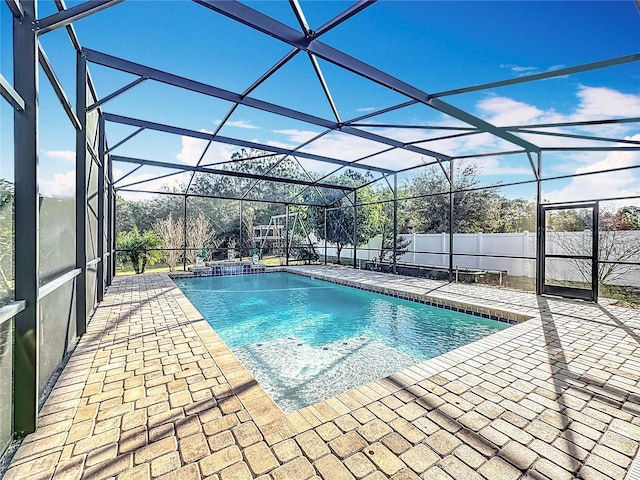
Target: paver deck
[(151, 391)]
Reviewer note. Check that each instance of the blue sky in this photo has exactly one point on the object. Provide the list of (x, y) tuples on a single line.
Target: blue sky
[(435, 46)]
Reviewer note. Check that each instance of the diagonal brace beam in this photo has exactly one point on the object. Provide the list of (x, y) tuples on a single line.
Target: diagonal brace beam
[(228, 173), (57, 87), (241, 99), (16, 8), (70, 15), (227, 140), (10, 95), (258, 21), (113, 95)]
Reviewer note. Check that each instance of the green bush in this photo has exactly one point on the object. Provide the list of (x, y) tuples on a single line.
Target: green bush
[(139, 248)]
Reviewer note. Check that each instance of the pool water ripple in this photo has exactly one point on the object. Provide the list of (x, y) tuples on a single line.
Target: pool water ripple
[(305, 340)]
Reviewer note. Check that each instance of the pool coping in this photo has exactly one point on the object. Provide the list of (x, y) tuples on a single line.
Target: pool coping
[(276, 425), (476, 310)]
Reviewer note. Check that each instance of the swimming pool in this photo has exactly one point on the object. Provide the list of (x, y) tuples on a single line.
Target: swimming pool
[(307, 340)]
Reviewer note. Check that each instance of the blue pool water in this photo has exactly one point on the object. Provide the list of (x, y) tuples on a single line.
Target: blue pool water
[(306, 340)]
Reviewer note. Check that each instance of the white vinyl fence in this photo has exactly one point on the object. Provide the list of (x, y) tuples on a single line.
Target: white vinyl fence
[(619, 244)]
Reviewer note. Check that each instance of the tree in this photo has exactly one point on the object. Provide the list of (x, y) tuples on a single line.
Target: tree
[(200, 234), (626, 218), (431, 213), (172, 232), (386, 245), (571, 230), (139, 248), (475, 209), (340, 217), (6, 242), (144, 213)]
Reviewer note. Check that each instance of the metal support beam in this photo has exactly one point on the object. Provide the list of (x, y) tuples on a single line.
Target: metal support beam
[(561, 72), (110, 219), (81, 194), (10, 95), (184, 236), (70, 15), (595, 250), (237, 98), (229, 141), (25, 134), (539, 230), (16, 8), (113, 95), (228, 173), (580, 137), (302, 21), (241, 227), (57, 87), (269, 26), (325, 235), (452, 217), (286, 234), (101, 209), (343, 16), (355, 229), (395, 224), (325, 87), (125, 139)]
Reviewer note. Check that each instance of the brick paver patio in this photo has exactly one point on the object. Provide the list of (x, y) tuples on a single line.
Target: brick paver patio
[(152, 392)]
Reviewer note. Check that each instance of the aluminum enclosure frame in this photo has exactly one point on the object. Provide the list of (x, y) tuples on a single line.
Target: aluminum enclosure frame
[(22, 96)]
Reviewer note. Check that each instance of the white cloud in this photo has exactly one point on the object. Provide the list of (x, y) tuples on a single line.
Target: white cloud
[(601, 102), (192, 149), (519, 70), (365, 109), (62, 185), (502, 111), (347, 147), (67, 155), (238, 124), (296, 137), (591, 103), (504, 166), (606, 185)]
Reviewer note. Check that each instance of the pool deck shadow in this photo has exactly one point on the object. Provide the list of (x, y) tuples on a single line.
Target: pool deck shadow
[(151, 391)]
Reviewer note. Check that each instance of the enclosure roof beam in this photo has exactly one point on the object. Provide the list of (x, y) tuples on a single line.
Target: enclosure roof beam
[(375, 113), (343, 16), (113, 95), (269, 26), (228, 173), (583, 123), (227, 140), (125, 140), (57, 87), (414, 127), (106, 60), (199, 195), (16, 8), (591, 149), (545, 75), (10, 95), (302, 21), (325, 86), (581, 137), (70, 15), (279, 64), (110, 61), (139, 182)]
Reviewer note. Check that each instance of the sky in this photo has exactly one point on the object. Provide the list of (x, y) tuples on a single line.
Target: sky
[(434, 46)]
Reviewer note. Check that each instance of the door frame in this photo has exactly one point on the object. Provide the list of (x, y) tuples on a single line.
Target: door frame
[(563, 291)]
